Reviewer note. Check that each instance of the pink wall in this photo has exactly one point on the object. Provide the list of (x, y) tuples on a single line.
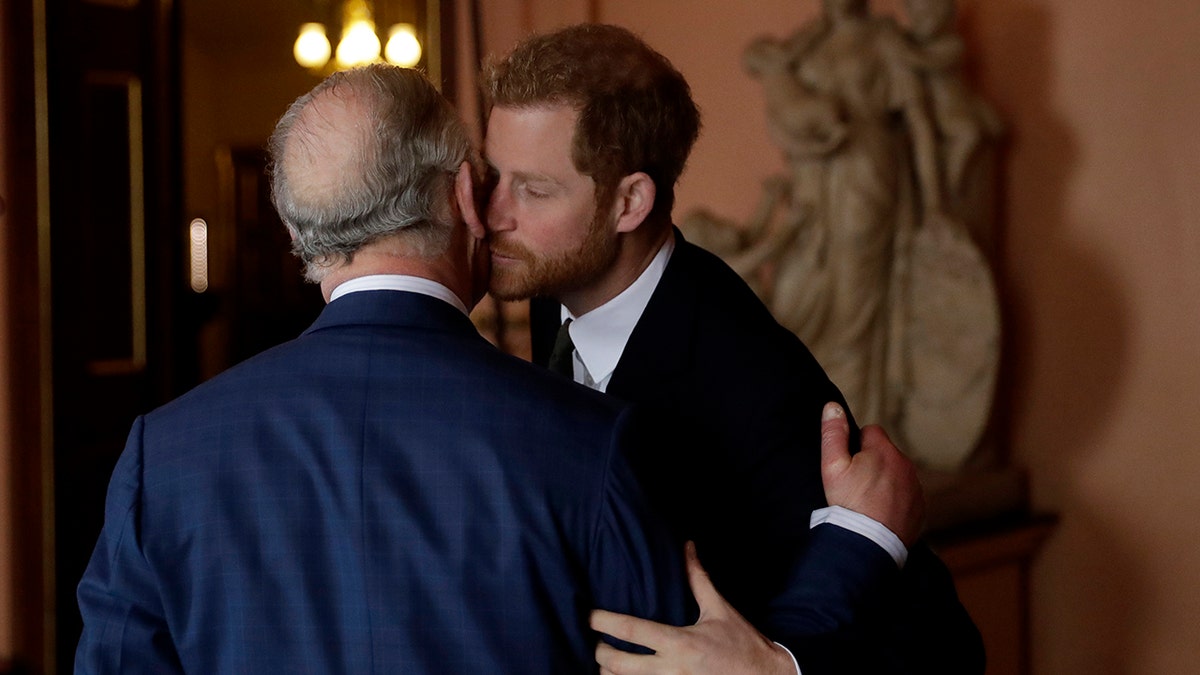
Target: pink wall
[(1103, 293), (1100, 239)]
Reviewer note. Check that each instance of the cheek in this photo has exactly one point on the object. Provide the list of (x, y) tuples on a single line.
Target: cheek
[(558, 229)]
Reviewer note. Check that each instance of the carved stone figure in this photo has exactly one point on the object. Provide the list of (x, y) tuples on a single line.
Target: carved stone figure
[(967, 126), (855, 249)]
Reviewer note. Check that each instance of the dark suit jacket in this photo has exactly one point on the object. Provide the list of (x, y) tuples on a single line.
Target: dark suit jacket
[(740, 473), (387, 493)]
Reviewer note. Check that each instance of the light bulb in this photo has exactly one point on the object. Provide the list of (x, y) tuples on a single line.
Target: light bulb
[(359, 44), (403, 48), (312, 47)]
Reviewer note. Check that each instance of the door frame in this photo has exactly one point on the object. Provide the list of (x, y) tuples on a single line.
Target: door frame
[(30, 373)]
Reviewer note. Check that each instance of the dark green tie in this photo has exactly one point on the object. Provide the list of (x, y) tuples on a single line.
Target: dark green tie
[(562, 357)]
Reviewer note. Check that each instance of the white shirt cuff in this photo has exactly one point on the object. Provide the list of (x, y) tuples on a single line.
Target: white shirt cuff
[(794, 661), (866, 526)]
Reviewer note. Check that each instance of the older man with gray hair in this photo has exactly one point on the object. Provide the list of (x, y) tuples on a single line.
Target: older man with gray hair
[(387, 492)]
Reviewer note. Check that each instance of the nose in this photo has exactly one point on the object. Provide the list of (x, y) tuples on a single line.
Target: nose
[(499, 210)]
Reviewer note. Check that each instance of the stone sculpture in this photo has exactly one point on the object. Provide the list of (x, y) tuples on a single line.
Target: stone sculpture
[(863, 247)]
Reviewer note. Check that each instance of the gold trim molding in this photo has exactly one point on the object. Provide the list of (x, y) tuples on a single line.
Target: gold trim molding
[(136, 362)]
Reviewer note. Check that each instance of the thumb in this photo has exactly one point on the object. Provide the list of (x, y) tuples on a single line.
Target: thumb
[(835, 442), (707, 597)]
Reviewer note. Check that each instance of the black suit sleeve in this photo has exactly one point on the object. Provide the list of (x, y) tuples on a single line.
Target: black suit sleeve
[(848, 609)]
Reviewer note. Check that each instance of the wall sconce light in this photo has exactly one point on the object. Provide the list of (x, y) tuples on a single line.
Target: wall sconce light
[(359, 44), (312, 48)]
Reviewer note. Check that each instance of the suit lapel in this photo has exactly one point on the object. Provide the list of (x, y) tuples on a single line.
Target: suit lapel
[(661, 344)]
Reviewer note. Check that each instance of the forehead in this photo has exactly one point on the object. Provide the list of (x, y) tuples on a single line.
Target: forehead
[(540, 135)]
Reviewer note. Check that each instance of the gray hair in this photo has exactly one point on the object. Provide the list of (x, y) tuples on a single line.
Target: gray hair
[(397, 171)]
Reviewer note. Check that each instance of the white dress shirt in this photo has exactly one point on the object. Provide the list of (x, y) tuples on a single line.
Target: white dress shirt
[(600, 335), (399, 282)]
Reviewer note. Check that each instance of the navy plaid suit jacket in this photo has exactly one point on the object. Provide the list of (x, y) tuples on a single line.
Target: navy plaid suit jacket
[(386, 493)]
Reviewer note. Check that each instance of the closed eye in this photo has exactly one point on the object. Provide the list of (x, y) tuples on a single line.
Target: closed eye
[(537, 189)]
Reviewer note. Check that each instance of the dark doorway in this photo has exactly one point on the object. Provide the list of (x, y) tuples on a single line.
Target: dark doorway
[(115, 273), (128, 332)]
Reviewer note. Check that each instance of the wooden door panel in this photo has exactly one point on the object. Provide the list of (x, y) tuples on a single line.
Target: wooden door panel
[(114, 243)]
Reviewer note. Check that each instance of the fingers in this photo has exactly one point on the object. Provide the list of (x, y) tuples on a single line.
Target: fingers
[(631, 629), (882, 454), (896, 476), (876, 437), (613, 661), (835, 441)]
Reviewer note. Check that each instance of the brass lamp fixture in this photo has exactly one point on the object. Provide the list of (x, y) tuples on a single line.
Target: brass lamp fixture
[(359, 44)]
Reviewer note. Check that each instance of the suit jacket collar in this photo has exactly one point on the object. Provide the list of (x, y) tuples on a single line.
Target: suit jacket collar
[(398, 309), (661, 343)]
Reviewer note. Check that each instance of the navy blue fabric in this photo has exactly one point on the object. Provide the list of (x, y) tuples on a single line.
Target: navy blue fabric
[(740, 399), (387, 493)]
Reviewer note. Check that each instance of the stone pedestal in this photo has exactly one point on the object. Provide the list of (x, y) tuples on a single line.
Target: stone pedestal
[(958, 499), (991, 565)]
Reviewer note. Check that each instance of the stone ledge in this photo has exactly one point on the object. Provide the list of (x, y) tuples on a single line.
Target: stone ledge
[(957, 499)]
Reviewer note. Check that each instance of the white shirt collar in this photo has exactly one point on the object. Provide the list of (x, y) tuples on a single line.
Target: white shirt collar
[(399, 282), (601, 334)]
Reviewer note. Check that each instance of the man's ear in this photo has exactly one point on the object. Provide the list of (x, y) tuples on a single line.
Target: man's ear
[(634, 201), (464, 190)]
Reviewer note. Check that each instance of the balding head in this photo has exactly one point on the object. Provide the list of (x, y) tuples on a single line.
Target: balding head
[(368, 154), (329, 149)]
